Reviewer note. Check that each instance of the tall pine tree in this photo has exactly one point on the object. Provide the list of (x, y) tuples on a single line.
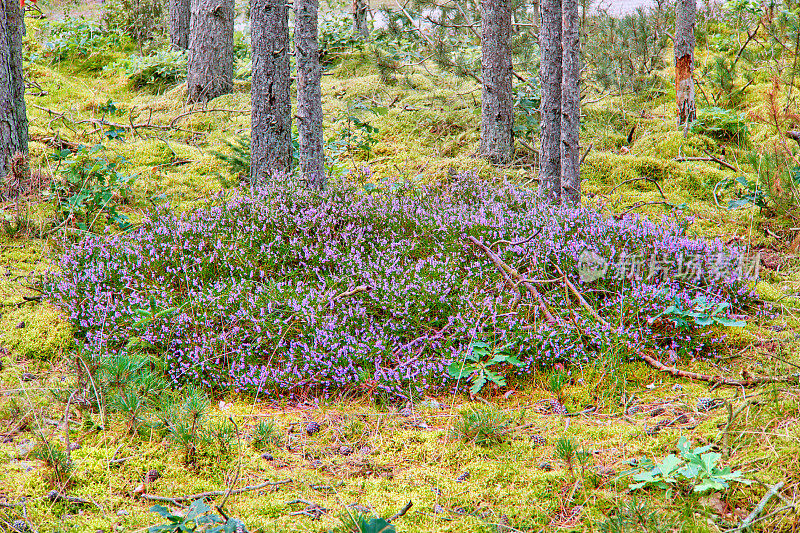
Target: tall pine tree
[(13, 115), (497, 100), (210, 72), (309, 92), (271, 122), (685, 18)]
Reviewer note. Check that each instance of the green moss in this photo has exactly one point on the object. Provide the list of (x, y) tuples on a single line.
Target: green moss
[(672, 144)]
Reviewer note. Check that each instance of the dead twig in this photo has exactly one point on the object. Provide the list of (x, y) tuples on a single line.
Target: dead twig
[(579, 296), (719, 380), (771, 493), (195, 111), (176, 500), (583, 157), (401, 512), (507, 272)]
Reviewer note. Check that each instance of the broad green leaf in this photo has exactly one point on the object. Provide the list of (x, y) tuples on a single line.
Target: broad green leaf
[(671, 464), (477, 385), (494, 377), (731, 323)]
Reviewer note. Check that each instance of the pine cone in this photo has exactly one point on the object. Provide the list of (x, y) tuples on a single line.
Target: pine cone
[(557, 407), (707, 404), (538, 440), (313, 428)]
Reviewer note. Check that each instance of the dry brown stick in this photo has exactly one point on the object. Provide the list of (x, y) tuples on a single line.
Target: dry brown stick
[(507, 271), (773, 491), (528, 146), (194, 111), (586, 153), (401, 512), (192, 497), (66, 425), (721, 161), (751, 382), (580, 297)]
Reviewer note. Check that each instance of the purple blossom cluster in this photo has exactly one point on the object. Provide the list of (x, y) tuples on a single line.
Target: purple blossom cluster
[(281, 289)]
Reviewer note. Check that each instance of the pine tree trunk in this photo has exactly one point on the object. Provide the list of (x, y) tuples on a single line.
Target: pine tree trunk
[(685, 18), (570, 104), (496, 98), (210, 50), (271, 131), (360, 9), (309, 92), (179, 17), (13, 115), (550, 74)]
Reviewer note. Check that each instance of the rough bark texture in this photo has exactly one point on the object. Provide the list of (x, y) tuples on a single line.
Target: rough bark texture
[(550, 73), (497, 99), (570, 104), (270, 145), (309, 92), (179, 17), (210, 50), (360, 9), (13, 116), (685, 18)]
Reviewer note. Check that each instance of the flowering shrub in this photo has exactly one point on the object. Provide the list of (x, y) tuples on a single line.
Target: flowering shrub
[(281, 288)]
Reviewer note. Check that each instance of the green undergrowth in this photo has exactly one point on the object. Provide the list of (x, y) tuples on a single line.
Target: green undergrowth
[(381, 458), (429, 131)]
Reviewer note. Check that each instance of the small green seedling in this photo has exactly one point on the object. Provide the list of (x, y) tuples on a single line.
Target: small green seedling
[(478, 363), (701, 314), (198, 518), (699, 467)]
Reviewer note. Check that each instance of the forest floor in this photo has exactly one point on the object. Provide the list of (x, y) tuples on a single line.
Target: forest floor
[(372, 458)]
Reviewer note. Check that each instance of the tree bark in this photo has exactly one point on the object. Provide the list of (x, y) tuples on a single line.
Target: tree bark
[(550, 74), (570, 105), (309, 93), (210, 50), (685, 18), (13, 115), (179, 18), (497, 98), (360, 9), (271, 131)]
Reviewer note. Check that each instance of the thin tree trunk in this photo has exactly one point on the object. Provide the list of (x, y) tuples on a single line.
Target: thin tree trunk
[(570, 105), (360, 9), (550, 74), (210, 50), (497, 97), (685, 18), (13, 115), (271, 131), (179, 17), (309, 92)]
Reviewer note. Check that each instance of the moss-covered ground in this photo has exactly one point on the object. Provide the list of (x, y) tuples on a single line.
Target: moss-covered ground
[(371, 457)]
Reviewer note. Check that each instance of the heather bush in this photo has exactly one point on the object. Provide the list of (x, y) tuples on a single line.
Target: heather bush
[(284, 289)]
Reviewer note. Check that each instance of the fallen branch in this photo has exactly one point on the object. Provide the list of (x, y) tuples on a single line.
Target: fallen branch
[(528, 146), (583, 157), (55, 496), (719, 380), (771, 493), (194, 111), (709, 159), (192, 497), (646, 178), (507, 272), (580, 297), (401, 512), (56, 142)]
